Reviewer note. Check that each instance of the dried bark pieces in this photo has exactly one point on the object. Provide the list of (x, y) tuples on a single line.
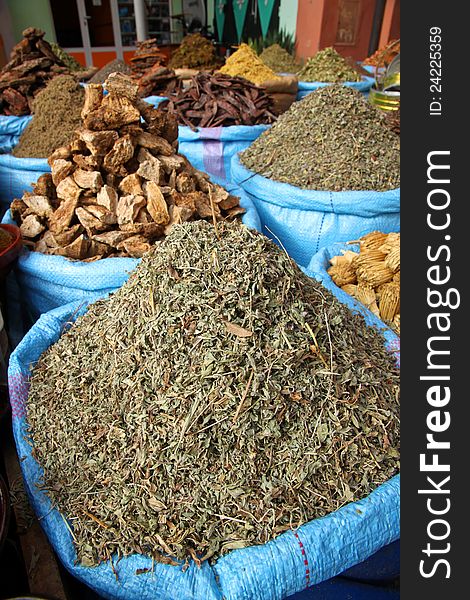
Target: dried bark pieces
[(219, 100), (119, 185)]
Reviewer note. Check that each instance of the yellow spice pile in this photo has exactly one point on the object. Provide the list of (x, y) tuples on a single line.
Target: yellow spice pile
[(372, 276), (246, 63)]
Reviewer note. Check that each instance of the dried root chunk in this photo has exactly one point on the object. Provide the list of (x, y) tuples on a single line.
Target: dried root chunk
[(61, 169), (136, 246), (372, 241), (63, 216), (346, 258), (389, 301), (121, 152), (93, 98), (156, 204), (128, 208), (88, 179), (31, 227), (350, 289), (108, 198), (77, 250), (98, 142), (150, 167), (366, 296), (342, 274), (131, 184), (39, 205), (392, 260)]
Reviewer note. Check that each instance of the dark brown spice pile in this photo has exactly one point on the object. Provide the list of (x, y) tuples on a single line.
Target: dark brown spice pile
[(194, 52), (146, 56), (115, 66), (32, 64), (57, 111), (220, 100)]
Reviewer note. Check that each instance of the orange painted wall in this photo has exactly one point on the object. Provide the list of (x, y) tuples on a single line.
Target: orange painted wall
[(309, 26), (391, 22), (100, 58), (317, 24)]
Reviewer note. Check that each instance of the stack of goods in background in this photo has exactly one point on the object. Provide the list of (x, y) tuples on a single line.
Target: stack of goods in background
[(247, 64), (32, 65), (148, 66), (114, 66), (327, 67), (372, 275), (215, 310), (56, 115), (195, 53), (383, 56), (219, 116), (328, 170), (113, 191), (279, 60)]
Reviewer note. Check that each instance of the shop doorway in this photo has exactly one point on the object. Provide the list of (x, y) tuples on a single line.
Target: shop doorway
[(88, 29)]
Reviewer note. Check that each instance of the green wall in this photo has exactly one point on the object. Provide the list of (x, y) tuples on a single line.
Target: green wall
[(288, 15), (31, 13)]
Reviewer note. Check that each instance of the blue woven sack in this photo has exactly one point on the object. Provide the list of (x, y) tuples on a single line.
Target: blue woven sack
[(17, 175), (210, 149), (304, 221), (11, 129), (46, 282), (292, 562), (306, 87), (155, 100)]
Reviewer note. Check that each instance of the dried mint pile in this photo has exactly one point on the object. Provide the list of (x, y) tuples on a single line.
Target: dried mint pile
[(57, 111), (328, 66), (279, 60), (331, 140), (194, 52), (219, 398)]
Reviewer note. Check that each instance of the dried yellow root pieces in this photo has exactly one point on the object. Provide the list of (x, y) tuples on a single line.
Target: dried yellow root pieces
[(372, 276)]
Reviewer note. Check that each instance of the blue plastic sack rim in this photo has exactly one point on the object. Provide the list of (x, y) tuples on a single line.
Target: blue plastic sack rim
[(363, 85), (29, 164), (364, 203), (331, 544), (222, 134)]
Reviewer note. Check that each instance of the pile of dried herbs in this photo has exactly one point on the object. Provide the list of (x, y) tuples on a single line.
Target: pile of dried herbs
[(5, 239), (393, 120), (194, 52), (219, 100), (247, 64), (332, 140), (57, 111), (219, 398), (119, 185), (384, 56), (279, 60), (328, 66), (32, 64), (147, 55)]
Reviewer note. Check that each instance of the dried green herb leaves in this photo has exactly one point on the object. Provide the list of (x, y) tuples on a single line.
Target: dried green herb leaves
[(218, 398), (331, 140), (328, 66)]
